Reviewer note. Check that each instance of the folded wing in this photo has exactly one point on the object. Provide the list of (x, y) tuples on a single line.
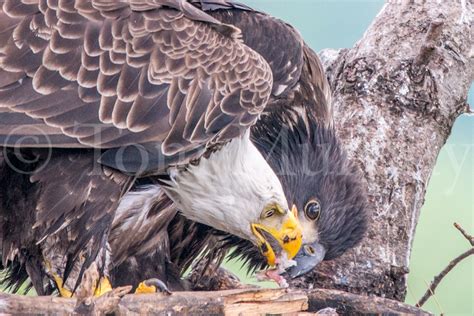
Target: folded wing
[(107, 74)]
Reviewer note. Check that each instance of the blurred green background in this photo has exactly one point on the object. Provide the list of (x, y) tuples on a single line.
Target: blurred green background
[(450, 195)]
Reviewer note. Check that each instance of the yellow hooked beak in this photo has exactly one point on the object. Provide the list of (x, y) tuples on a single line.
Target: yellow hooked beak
[(289, 237)]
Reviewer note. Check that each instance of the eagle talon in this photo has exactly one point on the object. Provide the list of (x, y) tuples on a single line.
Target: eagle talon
[(63, 292), (151, 286), (103, 287)]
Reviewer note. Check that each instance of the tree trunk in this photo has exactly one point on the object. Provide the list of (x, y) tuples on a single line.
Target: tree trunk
[(396, 96)]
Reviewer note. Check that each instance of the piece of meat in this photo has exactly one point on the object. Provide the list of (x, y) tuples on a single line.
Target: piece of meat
[(282, 263), (272, 275)]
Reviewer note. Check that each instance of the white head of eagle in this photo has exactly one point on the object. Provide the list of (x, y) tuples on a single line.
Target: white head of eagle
[(161, 73), (233, 187)]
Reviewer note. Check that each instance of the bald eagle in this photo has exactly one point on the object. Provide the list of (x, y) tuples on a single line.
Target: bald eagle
[(297, 138), (97, 94), (150, 239)]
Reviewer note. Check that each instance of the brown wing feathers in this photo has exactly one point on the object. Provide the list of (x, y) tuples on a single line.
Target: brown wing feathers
[(138, 71)]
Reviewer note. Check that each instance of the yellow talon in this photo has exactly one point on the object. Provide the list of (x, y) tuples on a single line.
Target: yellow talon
[(145, 289), (103, 287), (62, 290)]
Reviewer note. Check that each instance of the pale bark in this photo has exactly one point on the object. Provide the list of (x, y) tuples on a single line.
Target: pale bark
[(231, 302), (396, 96)]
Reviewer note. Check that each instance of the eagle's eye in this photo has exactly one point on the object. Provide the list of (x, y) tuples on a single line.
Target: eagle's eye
[(312, 210), (269, 213), (271, 210)]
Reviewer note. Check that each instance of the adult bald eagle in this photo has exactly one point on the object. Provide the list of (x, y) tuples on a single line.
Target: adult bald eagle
[(150, 88), (297, 138), (315, 175)]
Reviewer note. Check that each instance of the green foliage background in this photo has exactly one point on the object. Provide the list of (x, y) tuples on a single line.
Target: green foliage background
[(450, 195)]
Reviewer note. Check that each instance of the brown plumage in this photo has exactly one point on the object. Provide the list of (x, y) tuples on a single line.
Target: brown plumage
[(60, 204), (137, 70), (297, 138), (157, 241), (100, 74)]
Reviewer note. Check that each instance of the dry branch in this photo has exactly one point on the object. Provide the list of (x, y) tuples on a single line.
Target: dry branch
[(437, 280), (232, 302), (468, 237), (350, 304)]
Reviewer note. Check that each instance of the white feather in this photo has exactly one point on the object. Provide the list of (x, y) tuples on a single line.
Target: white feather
[(228, 190), (139, 202)]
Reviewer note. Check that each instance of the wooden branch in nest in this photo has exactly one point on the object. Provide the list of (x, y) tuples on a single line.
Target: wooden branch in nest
[(349, 304), (437, 280), (230, 302)]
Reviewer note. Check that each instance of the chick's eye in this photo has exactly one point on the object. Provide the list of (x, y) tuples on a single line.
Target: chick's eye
[(309, 250), (313, 210)]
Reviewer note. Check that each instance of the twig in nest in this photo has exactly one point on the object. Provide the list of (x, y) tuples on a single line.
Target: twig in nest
[(434, 284)]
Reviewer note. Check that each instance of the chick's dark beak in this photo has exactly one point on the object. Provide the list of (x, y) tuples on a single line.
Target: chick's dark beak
[(309, 256)]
